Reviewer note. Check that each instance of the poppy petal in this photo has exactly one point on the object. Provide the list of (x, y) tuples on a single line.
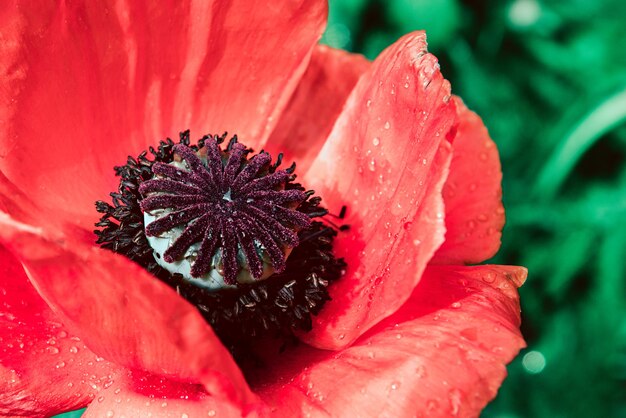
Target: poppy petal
[(44, 368), (139, 395), (83, 86), (122, 312), (386, 160), (442, 354), (314, 106), (472, 195)]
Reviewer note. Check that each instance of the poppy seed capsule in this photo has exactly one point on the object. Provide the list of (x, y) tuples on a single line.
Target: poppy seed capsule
[(230, 218), (220, 219)]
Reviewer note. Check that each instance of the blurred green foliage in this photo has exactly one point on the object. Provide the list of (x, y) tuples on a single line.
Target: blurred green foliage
[(549, 79)]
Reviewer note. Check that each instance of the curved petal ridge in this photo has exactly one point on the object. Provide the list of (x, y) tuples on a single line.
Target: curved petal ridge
[(44, 368), (443, 354), (315, 105), (472, 194), (85, 85), (123, 313), (386, 159)]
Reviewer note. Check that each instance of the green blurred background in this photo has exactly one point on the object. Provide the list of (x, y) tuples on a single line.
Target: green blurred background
[(548, 78)]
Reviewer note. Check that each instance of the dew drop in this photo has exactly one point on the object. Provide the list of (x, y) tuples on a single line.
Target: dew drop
[(431, 405), (395, 385), (184, 416), (211, 413), (406, 85), (376, 140), (456, 305), (101, 399), (52, 350), (110, 414), (489, 278), (371, 165), (60, 365), (164, 404), (387, 125), (368, 103), (455, 401), (73, 349), (482, 217), (342, 336)]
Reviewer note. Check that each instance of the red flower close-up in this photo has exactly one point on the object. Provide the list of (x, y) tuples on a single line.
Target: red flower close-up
[(411, 325)]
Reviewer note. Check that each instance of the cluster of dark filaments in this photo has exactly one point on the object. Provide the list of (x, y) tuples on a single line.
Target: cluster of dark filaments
[(229, 205)]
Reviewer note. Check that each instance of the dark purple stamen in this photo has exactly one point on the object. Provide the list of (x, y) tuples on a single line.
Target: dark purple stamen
[(227, 204)]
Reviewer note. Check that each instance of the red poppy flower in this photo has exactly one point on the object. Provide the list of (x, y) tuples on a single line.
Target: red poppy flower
[(411, 328)]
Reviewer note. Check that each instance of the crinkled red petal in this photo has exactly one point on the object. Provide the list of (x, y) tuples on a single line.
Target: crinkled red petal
[(386, 160), (442, 354), (85, 85), (44, 368), (123, 313), (472, 195), (315, 105), (140, 395)]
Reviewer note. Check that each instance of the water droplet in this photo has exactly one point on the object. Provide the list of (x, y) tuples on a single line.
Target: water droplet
[(52, 350), (164, 404), (60, 365), (406, 85), (376, 141), (489, 277), (431, 405), (368, 103), (387, 125), (62, 334), (116, 391), (455, 398), (395, 385), (211, 413), (416, 242), (101, 399), (420, 371), (184, 416), (424, 161), (456, 305), (73, 349), (482, 217), (371, 165), (110, 414)]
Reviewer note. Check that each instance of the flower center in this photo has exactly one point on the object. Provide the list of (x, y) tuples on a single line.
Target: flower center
[(219, 218), (231, 233)]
